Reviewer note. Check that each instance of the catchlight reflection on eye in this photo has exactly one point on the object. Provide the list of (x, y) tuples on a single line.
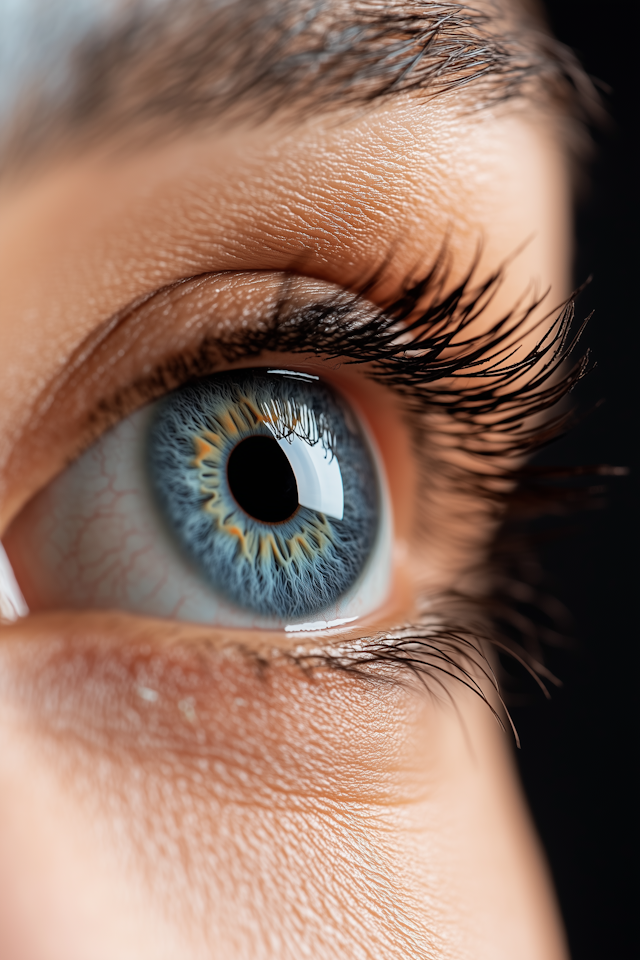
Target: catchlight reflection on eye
[(252, 498)]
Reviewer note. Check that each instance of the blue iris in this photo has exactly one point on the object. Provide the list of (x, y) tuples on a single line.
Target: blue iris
[(268, 485)]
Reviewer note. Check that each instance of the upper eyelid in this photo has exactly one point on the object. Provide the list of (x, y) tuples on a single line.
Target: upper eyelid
[(369, 334), (139, 319), (136, 319), (436, 320)]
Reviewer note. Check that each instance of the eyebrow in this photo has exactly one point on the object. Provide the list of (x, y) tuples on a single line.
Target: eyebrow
[(162, 66)]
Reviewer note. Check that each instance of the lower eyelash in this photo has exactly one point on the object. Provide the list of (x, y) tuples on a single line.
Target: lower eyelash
[(432, 653)]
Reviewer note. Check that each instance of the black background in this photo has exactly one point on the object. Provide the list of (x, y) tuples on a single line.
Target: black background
[(579, 751)]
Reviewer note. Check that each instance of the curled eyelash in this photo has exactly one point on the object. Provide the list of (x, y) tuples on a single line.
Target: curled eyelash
[(429, 356), (493, 394)]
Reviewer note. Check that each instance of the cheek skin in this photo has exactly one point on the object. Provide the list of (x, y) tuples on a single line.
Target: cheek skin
[(260, 804), (262, 812)]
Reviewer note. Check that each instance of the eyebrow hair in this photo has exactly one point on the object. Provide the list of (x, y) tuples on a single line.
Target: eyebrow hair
[(161, 66)]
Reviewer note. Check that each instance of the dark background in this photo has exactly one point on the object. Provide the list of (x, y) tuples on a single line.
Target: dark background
[(579, 751)]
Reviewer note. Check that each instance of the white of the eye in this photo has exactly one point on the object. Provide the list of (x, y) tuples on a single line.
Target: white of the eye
[(12, 603), (317, 474)]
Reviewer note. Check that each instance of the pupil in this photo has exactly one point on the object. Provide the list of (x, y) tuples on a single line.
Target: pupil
[(262, 481)]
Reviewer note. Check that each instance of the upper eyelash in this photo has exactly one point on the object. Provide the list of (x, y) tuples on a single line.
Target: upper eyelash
[(404, 349), (484, 386)]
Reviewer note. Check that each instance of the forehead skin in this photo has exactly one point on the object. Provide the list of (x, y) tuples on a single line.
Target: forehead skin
[(330, 817)]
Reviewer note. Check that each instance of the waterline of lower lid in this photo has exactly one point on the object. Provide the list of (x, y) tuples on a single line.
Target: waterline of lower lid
[(317, 625)]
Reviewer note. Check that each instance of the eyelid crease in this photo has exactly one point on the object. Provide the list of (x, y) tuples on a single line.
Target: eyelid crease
[(432, 358)]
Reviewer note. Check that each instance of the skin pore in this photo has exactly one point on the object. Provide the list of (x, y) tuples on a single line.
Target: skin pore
[(254, 809)]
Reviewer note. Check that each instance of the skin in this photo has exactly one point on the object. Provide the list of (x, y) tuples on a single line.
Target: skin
[(278, 814)]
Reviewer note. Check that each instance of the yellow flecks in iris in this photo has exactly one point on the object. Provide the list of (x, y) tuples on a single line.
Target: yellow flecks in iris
[(219, 512), (287, 551), (229, 424), (217, 447), (267, 547), (279, 548), (321, 531), (271, 546), (207, 450), (237, 532), (203, 449), (256, 414), (304, 546)]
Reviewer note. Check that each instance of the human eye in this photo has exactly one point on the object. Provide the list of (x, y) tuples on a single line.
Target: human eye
[(247, 498)]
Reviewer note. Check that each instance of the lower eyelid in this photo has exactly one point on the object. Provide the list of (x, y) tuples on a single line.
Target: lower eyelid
[(144, 692)]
